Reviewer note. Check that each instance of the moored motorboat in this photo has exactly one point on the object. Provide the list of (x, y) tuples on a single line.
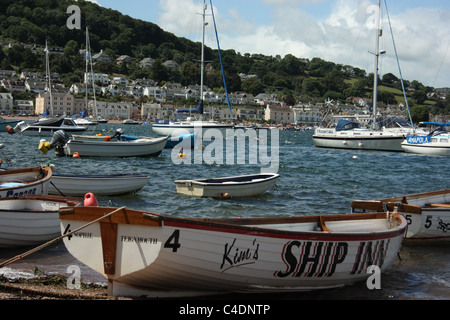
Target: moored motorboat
[(147, 254), (428, 214), (46, 127), (31, 220), (100, 185), (25, 181), (103, 146), (224, 187)]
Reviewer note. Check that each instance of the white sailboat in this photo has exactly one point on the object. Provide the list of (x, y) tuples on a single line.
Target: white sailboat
[(349, 135), (436, 143), (190, 124)]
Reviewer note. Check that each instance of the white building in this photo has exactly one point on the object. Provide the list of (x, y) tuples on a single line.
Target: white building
[(111, 110), (103, 78), (155, 92), (307, 114), (6, 103), (281, 115)]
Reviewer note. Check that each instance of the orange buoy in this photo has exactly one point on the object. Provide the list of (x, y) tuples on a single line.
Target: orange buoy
[(90, 200), (10, 129), (224, 195), (107, 138), (76, 155)]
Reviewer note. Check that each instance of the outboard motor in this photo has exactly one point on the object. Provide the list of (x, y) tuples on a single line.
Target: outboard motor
[(117, 134), (59, 140)]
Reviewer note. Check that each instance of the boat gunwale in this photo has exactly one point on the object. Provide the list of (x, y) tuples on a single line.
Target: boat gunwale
[(70, 201), (225, 180), (121, 176), (129, 143), (240, 226), (45, 171), (405, 198)]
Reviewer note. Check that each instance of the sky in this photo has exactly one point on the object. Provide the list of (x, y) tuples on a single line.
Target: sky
[(340, 31)]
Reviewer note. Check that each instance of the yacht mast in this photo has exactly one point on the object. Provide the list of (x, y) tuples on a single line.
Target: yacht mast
[(89, 61), (379, 33), (49, 81), (202, 68)]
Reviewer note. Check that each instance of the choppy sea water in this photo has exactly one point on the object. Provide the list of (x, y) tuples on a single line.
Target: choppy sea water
[(312, 181)]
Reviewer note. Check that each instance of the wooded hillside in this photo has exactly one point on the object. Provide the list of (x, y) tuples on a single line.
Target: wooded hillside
[(292, 78)]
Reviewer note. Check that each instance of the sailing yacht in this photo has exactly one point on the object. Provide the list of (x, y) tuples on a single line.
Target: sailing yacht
[(189, 124), (349, 134)]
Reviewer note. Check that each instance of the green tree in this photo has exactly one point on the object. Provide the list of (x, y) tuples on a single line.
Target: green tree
[(420, 113), (419, 96), (253, 86)]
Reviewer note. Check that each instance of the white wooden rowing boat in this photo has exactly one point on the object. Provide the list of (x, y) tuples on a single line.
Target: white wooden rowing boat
[(25, 181), (100, 185), (428, 214), (147, 254), (237, 186), (30, 220)]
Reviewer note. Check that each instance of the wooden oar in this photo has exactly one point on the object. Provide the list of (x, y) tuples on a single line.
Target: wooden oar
[(442, 205), (42, 246)]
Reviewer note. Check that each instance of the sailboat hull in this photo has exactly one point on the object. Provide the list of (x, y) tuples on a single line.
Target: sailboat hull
[(377, 141), (173, 129)]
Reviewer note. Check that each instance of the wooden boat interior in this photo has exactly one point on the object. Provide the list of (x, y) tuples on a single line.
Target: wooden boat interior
[(23, 175), (37, 203), (367, 222)]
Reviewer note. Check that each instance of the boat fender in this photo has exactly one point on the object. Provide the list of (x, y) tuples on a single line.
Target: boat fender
[(44, 146), (10, 130), (90, 200), (76, 155), (107, 138)]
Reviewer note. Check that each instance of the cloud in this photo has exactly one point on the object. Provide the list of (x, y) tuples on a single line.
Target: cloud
[(344, 34)]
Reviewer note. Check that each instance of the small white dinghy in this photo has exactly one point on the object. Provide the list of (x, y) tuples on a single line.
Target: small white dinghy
[(147, 254), (25, 181), (236, 186), (30, 220), (100, 185), (428, 214)]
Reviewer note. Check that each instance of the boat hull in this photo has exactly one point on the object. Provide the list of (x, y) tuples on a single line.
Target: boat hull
[(428, 214), (100, 185), (428, 149), (29, 221), (377, 141), (238, 186), (49, 131), (147, 254), (101, 148), (179, 129)]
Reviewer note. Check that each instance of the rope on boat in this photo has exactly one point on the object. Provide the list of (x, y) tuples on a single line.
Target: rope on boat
[(42, 246)]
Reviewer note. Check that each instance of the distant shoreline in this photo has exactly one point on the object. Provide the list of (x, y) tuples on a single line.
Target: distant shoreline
[(34, 118)]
